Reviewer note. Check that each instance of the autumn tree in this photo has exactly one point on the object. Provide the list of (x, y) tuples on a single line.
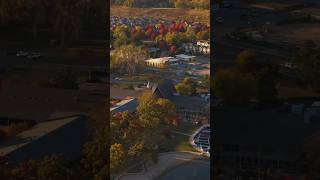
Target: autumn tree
[(191, 34), (52, 168), (203, 35), (121, 36), (117, 157), (187, 87), (173, 38), (95, 152), (128, 57)]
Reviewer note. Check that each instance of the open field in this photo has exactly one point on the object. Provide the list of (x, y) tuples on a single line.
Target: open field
[(299, 32), (167, 13)]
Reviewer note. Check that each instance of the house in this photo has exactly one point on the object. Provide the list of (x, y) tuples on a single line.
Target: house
[(203, 43), (189, 108), (201, 48), (64, 135)]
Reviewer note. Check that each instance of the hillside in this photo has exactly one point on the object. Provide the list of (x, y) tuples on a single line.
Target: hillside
[(167, 13)]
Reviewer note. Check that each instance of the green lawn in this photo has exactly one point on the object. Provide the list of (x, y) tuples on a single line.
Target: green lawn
[(180, 142), (143, 78), (75, 56)]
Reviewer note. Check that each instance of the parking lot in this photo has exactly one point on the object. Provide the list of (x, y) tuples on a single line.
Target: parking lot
[(201, 139)]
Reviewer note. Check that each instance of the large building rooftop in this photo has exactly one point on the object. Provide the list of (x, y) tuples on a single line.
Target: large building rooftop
[(65, 135)]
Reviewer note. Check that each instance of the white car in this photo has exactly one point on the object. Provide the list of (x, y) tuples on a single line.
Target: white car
[(288, 65), (22, 53), (33, 56), (119, 79)]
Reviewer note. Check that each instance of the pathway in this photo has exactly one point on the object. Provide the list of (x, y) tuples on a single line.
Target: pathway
[(166, 161)]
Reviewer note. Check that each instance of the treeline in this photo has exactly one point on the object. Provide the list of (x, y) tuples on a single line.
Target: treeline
[(193, 4), (63, 20)]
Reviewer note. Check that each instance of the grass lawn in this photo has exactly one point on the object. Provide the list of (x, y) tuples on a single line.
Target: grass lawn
[(180, 142), (143, 78), (27, 77), (75, 56)]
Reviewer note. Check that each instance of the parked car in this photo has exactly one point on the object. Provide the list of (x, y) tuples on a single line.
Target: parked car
[(220, 20), (33, 56), (119, 79), (22, 53)]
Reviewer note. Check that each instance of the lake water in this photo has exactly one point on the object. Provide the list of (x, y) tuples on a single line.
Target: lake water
[(199, 170)]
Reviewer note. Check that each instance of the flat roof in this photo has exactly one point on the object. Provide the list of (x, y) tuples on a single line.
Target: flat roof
[(184, 56), (161, 59)]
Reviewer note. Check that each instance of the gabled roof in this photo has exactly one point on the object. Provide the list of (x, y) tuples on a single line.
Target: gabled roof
[(165, 88), (125, 105), (189, 102)]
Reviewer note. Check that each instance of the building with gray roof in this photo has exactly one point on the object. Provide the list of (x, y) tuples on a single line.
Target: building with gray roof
[(189, 108), (65, 136)]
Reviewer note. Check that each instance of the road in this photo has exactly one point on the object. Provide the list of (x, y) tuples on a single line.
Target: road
[(166, 161)]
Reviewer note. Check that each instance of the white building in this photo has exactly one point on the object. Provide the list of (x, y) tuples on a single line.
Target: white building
[(185, 58), (162, 62)]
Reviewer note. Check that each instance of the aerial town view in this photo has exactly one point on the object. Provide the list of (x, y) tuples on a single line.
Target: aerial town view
[(266, 89), (160, 90), (53, 90)]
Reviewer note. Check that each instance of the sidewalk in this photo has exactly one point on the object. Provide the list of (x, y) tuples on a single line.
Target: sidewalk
[(166, 162)]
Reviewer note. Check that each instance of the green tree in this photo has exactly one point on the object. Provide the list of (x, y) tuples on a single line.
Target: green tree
[(117, 157), (121, 36), (186, 87)]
